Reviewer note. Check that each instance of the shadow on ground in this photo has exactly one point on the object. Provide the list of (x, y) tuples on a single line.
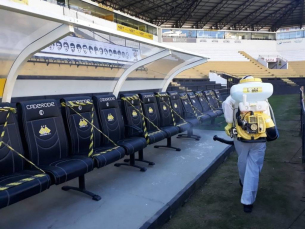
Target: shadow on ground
[(281, 197)]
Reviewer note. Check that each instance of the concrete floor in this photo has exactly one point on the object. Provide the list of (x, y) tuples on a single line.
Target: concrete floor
[(129, 197)]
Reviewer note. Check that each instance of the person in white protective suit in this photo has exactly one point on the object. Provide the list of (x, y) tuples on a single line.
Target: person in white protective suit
[(251, 152)]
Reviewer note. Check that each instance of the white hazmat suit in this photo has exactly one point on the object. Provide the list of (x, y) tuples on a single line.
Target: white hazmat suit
[(250, 156)]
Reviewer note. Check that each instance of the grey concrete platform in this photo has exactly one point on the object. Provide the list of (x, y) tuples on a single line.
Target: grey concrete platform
[(130, 199)]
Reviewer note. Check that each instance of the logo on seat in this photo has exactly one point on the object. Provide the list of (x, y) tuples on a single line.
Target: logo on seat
[(134, 113), (200, 99), (107, 104), (41, 112), (83, 123), (44, 130), (110, 117), (194, 101), (185, 102), (164, 107), (80, 108), (132, 101), (150, 110), (175, 105)]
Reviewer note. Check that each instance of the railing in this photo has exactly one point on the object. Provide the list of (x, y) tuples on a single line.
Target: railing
[(272, 56), (302, 113)]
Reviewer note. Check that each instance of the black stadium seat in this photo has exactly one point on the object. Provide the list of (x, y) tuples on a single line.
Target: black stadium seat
[(213, 102), (190, 114), (48, 147), (176, 105), (112, 123), (181, 121), (151, 111), (81, 132), (198, 108), (167, 118), (132, 110), (218, 97), (16, 182), (205, 105)]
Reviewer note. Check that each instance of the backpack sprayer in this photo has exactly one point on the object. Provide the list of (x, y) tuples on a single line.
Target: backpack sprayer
[(251, 120)]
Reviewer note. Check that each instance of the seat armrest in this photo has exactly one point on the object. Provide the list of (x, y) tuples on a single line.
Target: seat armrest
[(140, 131)]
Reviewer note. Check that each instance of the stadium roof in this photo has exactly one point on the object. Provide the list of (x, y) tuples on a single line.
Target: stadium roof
[(256, 15)]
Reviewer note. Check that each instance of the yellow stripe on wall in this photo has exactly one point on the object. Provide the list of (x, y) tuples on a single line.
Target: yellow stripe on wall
[(26, 2), (2, 84), (136, 32)]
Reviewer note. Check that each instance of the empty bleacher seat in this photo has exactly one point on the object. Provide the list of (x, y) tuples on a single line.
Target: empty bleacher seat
[(218, 97), (155, 125), (197, 107), (205, 104), (167, 118), (178, 112), (112, 124), (16, 182), (213, 102), (187, 113), (48, 147), (85, 139)]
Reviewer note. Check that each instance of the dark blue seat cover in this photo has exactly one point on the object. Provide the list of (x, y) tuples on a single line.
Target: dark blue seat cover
[(198, 108), (167, 118), (151, 111), (178, 114), (47, 142), (133, 118), (205, 105), (189, 113), (112, 123), (80, 132), (213, 102), (12, 166), (218, 97)]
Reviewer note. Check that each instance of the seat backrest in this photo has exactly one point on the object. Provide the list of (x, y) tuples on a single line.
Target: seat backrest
[(150, 110), (176, 105), (203, 101), (210, 96), (131, 114), (80, 131), (164, 105), (110, 117), (44, 131), (187, 107), (195, 102), (10, 162), (218, 96)]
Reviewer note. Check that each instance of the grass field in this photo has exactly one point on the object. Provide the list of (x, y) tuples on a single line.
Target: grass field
[(280, 201)]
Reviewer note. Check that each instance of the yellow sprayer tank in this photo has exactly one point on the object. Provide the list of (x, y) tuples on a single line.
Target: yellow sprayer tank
[(254, 91)]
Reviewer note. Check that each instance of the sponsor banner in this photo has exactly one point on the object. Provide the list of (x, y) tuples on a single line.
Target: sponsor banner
[(105, 7), (179, 33), (82, 47), (26, 2), (136, 32), (179, 39)]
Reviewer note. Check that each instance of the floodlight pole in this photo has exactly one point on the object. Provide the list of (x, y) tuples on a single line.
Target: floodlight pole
[(180, 68), (44, 40), (136, 65)]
